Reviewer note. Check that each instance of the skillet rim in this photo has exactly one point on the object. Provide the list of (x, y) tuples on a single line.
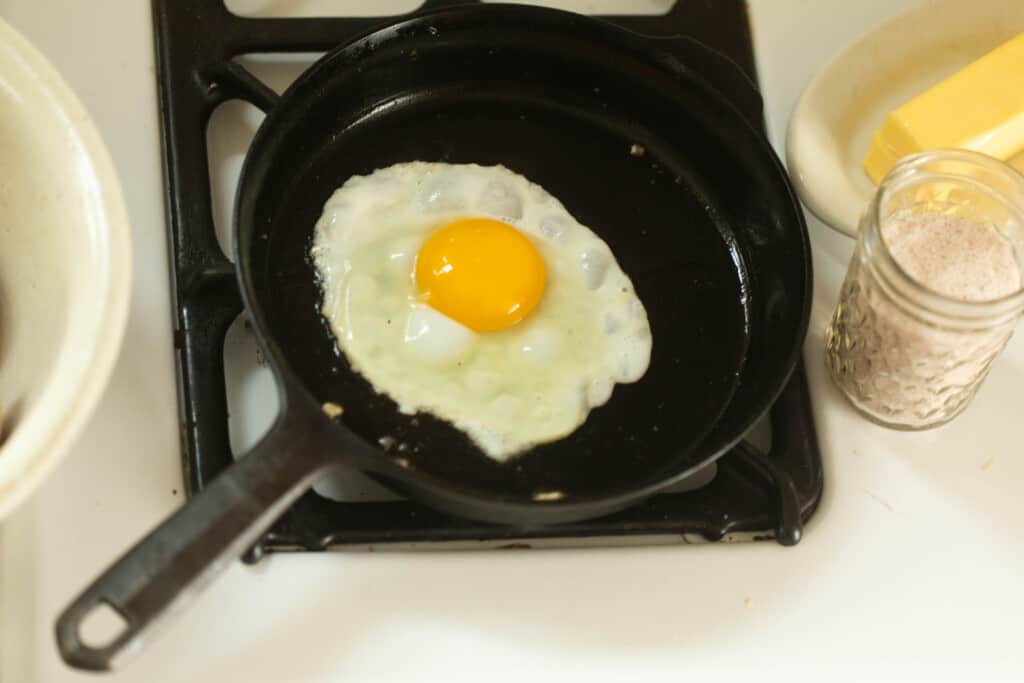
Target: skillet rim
[(446, 493)]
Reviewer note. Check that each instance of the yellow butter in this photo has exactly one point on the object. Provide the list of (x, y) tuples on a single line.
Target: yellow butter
[(980, 107)]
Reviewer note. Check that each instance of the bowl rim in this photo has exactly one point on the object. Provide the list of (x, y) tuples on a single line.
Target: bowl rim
[(36, 446)]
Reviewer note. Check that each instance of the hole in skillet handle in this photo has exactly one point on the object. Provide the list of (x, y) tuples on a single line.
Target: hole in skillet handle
[(101, 626), (92, 634)]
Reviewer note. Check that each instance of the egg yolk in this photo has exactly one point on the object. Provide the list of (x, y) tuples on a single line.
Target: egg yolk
[(480, 272)]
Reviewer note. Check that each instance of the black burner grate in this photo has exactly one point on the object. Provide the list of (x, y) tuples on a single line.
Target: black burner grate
[(752, 496)]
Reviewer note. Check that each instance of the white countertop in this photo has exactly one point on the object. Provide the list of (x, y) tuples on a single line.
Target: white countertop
[(911, 569)]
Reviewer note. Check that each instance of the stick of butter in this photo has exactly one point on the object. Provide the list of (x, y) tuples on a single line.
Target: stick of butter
[(980, 108)]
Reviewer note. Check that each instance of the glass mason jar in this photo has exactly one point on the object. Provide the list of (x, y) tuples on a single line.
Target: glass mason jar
[(906, 355)]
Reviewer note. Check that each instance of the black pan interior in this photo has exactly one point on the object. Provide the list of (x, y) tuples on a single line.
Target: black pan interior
[(556, 106)]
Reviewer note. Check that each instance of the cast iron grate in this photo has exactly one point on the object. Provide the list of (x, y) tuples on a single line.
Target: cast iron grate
[(751, 496)]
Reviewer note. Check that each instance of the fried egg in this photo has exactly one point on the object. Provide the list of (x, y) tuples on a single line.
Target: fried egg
[(470, 293)]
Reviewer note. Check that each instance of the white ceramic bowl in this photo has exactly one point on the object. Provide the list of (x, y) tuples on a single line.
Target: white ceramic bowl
[(833, 123), (65, 262)]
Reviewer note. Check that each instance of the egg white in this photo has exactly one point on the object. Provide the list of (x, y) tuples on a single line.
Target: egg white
[(509, 390)]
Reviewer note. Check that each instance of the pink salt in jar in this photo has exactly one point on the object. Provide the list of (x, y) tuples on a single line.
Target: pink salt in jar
[(934, 289)]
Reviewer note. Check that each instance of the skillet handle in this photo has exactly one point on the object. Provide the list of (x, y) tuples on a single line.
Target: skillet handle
[(174, 562)]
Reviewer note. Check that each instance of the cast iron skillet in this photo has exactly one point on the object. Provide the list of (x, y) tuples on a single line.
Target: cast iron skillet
[(703, 221)]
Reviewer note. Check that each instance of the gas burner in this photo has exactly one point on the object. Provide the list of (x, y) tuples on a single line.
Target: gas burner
[(226, 396)]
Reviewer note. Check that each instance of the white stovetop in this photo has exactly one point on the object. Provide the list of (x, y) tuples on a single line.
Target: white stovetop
[(912, 568)]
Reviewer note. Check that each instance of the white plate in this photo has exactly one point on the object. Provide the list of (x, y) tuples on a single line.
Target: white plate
[(65, 261), (832, 124)]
